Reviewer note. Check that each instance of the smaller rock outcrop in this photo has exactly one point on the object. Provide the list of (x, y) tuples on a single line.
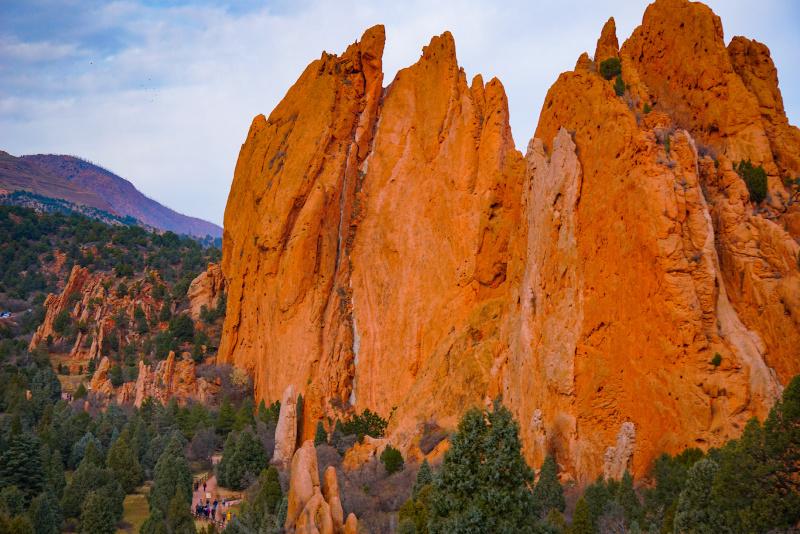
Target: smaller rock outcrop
[(618, 457), (168, 379), (286, 431), (315, 508), (205, 290)]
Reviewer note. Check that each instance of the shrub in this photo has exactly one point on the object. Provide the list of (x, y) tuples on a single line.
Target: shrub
[(647, 109), (716, 360), (122, 290), (61, 322), (366, 424), (610, 68), (619, 86), (755, 178), (392, 459)]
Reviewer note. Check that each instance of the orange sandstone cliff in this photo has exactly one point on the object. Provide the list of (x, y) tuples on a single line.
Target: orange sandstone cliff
[(389, 248)]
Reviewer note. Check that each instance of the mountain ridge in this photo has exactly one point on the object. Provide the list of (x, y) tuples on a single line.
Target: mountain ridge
[(84, 183)]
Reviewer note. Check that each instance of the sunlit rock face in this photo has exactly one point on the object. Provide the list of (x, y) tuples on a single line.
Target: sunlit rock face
[(389, 248)]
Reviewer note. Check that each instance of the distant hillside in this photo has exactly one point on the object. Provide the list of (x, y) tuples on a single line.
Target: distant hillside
[(83, 183)]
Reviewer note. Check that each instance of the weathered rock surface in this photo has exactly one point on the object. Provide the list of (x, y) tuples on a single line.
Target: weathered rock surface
[(390, 248), (90, 300), (171, 378), (286, 430), (313, 508), (206, 290)]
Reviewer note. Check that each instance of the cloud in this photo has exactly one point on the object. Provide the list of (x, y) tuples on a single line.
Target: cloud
[(163, 93)]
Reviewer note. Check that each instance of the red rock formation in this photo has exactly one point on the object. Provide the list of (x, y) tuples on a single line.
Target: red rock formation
[(205, 290), (90, 300), (170, 378), (314, 507), (393, 251)]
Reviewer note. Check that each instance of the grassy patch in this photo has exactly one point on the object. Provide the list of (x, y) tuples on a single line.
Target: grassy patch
[(136, 510)]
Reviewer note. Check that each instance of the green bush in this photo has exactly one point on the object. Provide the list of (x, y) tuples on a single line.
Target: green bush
[(647, 109), (619, 86), (392, 459), (62, 322), (610, 68), (755, 178), (366, 424), (716, 360)]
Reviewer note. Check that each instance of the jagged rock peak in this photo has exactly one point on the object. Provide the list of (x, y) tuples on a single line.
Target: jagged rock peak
[(607, 44)]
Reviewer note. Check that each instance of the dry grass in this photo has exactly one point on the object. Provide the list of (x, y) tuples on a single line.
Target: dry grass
[(135, 511)]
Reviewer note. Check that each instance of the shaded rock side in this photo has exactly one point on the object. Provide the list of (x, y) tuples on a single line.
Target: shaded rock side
[(286, 430)]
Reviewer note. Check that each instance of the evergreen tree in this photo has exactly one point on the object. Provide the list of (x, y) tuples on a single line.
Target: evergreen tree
[(179, 517), (582, 519), (12, 501), (320, 436), (171, 475), (269, 493), (627, 498), (483, 485), (242, 458), (96, 516), (244, 416), (125, 465), (424, 478), (597, 497), (21, 465), (694, 514), (226, 418), (392, 459), (45, 514), (55, 474), (548, 493)]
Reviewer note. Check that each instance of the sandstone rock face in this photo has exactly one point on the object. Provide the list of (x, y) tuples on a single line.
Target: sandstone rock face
[(286, 430), (171, 378), (87, 300), (311, 508), (205, 290), (390, 249)]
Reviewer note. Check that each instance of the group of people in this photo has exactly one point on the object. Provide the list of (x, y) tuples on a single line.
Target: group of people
[(211, 511)]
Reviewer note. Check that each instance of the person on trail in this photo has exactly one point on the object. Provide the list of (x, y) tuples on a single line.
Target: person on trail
[(204, 487)]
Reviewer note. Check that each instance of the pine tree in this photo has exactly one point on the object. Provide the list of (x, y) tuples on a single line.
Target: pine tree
[(582, 519), (21, 465), (627, 498), (55, 474), (96, 516), (548, 493), (483, 485), (269, 491), (171, 475), (320, 436), (45, 514), (694, 514), (226, 418), (424, 478), (179, 517), (123, 462), (244, 416)]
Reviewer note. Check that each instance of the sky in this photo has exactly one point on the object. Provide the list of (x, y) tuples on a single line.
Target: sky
[(163, 93)]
